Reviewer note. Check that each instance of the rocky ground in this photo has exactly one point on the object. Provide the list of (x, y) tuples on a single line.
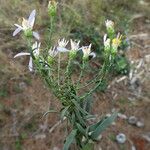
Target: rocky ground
[(24, 99)]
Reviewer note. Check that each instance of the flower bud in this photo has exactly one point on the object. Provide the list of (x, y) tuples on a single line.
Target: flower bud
[(52, 8), (106, 43), (28, 33), (50, 59), (115, 43), (110, 27)]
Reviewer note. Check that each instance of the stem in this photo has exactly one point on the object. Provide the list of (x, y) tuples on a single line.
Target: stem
[(103, 71), (68, 73), (51, 28), (58, 73), (81, 73)]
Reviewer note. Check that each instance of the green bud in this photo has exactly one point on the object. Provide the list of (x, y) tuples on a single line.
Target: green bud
[(52, 8), (50, 60), (28, 33), (72, 54)]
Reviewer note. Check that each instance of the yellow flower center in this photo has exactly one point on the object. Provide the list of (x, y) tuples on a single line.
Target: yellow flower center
[(116, 41)]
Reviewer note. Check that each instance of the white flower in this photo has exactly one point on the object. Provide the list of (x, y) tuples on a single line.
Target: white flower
[(52, 52), (106, 42), (74, 45), (109, 24), (27, 25), (87, 51), (35, 48), (62, 45)]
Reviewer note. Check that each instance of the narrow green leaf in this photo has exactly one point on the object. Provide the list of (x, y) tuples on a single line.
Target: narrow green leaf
[(94, 126), (80, 118), (63, 112), (69, 139), (88, 146), (79, 108), (103, 125), (81, 129)]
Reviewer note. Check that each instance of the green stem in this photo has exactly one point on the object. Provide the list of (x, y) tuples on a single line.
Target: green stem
[(58, 72), (81, 73)]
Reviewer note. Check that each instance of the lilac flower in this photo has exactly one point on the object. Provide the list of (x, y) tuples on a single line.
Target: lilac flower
[(36, 49), (27, 26), (62, 45), (106, 42), (87, 52), (74, 45), (52, 52)]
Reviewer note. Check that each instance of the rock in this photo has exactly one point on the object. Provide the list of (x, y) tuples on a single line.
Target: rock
[(122, 116), (22, 85), (121, 138), (132, 120), (133, 147), (56, 148), (99, 137), (40, 136), (140, 124), (147, 136)]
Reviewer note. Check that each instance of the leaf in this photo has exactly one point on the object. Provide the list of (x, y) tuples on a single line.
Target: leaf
[(94, 126), (69, 139), (103, 125), (50, 111), (88, 146), (63, 112), (81, 129), (79, 108), (80, 118)]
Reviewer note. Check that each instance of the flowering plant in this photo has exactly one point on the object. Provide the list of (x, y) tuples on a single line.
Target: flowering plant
[(67, 79)]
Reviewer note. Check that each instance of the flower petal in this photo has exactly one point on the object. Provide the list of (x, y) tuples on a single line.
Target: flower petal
[(36, 35), (93, 54), (31, 18), (62, 49), (16, 31), (22, 54), (17, 25), (30, 66)]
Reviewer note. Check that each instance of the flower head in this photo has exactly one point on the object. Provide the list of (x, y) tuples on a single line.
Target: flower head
[(87, 52), (74, 48), (110, 28), (109, 24), (106, 43), (52, 7), (74, 45), (52, 52), (27, 26), (62, 45), (36, 49), (116, 41)]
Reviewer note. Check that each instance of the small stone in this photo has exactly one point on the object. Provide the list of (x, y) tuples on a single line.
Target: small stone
[(108, 115), (22, 85), (140, 124), (122, 116), (132, 120), (133, 147), (56, 148), (99, 137), (121, 138), (40, 136), (147, 136)]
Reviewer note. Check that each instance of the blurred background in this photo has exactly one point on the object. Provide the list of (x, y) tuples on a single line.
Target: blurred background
[(24, 98)]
